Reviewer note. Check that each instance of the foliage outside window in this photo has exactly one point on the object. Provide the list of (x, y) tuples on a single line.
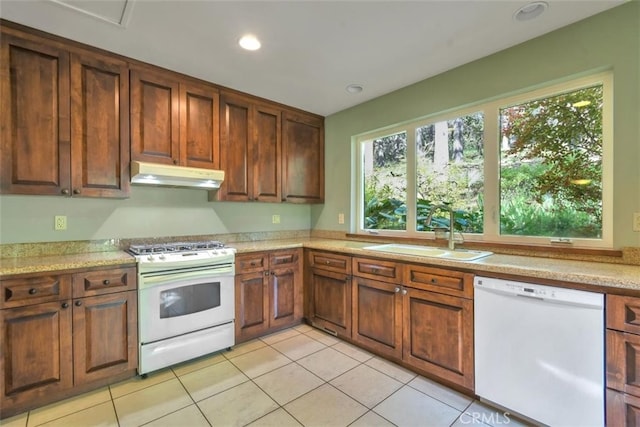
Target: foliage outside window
[(530, 168)]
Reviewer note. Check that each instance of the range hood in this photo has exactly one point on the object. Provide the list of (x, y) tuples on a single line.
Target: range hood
[(144, 173)]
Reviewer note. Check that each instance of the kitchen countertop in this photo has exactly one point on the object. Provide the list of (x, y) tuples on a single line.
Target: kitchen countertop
[(37, 264), (607, 275), (619, 276)]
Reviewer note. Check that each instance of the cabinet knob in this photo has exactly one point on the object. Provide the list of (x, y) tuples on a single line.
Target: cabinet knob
[(328, 262), (106, 282), (33, 291), (404, 292), (397, 289), (78, 303), (76, 191), (434, 280), (65, 305), (266, 273), (65, 191), (175, 161)]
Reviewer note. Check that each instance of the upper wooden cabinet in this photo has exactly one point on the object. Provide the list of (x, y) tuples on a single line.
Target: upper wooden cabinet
[(174, 121), (250, 150), (65, 120), (302, 158)]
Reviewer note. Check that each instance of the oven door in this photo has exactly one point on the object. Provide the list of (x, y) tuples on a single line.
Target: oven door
[(175, 303)]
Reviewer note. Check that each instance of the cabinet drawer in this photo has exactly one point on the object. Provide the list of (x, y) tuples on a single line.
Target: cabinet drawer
[(387, 271), (438, 280), (35, 289), (99, 282), (623, 362), (284, 258), (330, 261), (623, 313), (252, 262), (622, 409)]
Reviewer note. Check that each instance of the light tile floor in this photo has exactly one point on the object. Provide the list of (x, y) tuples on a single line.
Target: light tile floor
[(299, 376)]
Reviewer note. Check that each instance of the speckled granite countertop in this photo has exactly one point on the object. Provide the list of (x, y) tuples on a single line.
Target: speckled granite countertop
[(622, 277), (37, 264)]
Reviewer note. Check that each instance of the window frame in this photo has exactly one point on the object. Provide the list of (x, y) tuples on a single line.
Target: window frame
[(491, 165)]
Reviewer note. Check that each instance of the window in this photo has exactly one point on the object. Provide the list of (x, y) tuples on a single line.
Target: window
[(533, 168)]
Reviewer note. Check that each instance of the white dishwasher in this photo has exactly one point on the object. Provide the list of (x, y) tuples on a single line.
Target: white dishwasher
[(539, 351)]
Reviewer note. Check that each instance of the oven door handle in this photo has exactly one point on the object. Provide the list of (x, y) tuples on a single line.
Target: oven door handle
[(162, 279)]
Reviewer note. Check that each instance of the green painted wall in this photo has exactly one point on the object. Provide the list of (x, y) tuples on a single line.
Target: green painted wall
[(150, 212), (610, 40)]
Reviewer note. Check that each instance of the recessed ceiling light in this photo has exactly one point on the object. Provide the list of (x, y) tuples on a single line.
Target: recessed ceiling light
[(354, 88), (249, 42), (530, 11)]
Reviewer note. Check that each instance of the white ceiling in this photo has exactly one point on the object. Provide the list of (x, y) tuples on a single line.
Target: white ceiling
[(311, 50)]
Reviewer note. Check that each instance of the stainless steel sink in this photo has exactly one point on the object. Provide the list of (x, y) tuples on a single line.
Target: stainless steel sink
[(428, 251)]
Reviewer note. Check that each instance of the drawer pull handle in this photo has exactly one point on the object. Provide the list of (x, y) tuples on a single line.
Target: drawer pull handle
[(106, 282), (253, 264), (65, 305), (33, 291), (78, 303)]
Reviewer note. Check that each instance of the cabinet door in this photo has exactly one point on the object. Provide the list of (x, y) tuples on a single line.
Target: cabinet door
[(330, 301), (155, 118), (377, 316), (235, 141), (36, 352), (286, 304), (105, 336), (99, 126), (35, 126), (302, 158), (199, 126), (252, 305), (438, 335), (266, 153)]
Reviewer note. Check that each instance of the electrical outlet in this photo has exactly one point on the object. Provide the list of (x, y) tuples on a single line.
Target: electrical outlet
[(59, 222), (340, 218), (636, 221), (275, 219)]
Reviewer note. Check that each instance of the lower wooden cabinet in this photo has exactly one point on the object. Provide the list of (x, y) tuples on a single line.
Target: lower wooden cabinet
[(36, 353), (438, 335), (329, 289), (58, 341), (428, 330), (105, 339), (623, 360), (268, 292), (377, 316)]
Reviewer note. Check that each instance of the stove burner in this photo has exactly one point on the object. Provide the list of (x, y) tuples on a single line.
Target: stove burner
[(175, 247)]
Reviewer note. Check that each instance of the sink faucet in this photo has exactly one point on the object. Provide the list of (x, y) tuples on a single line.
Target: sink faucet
[(446, 207)]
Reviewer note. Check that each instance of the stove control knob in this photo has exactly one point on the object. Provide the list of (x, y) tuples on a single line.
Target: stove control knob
[(162, 257), (223, 252), (150, 257)]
